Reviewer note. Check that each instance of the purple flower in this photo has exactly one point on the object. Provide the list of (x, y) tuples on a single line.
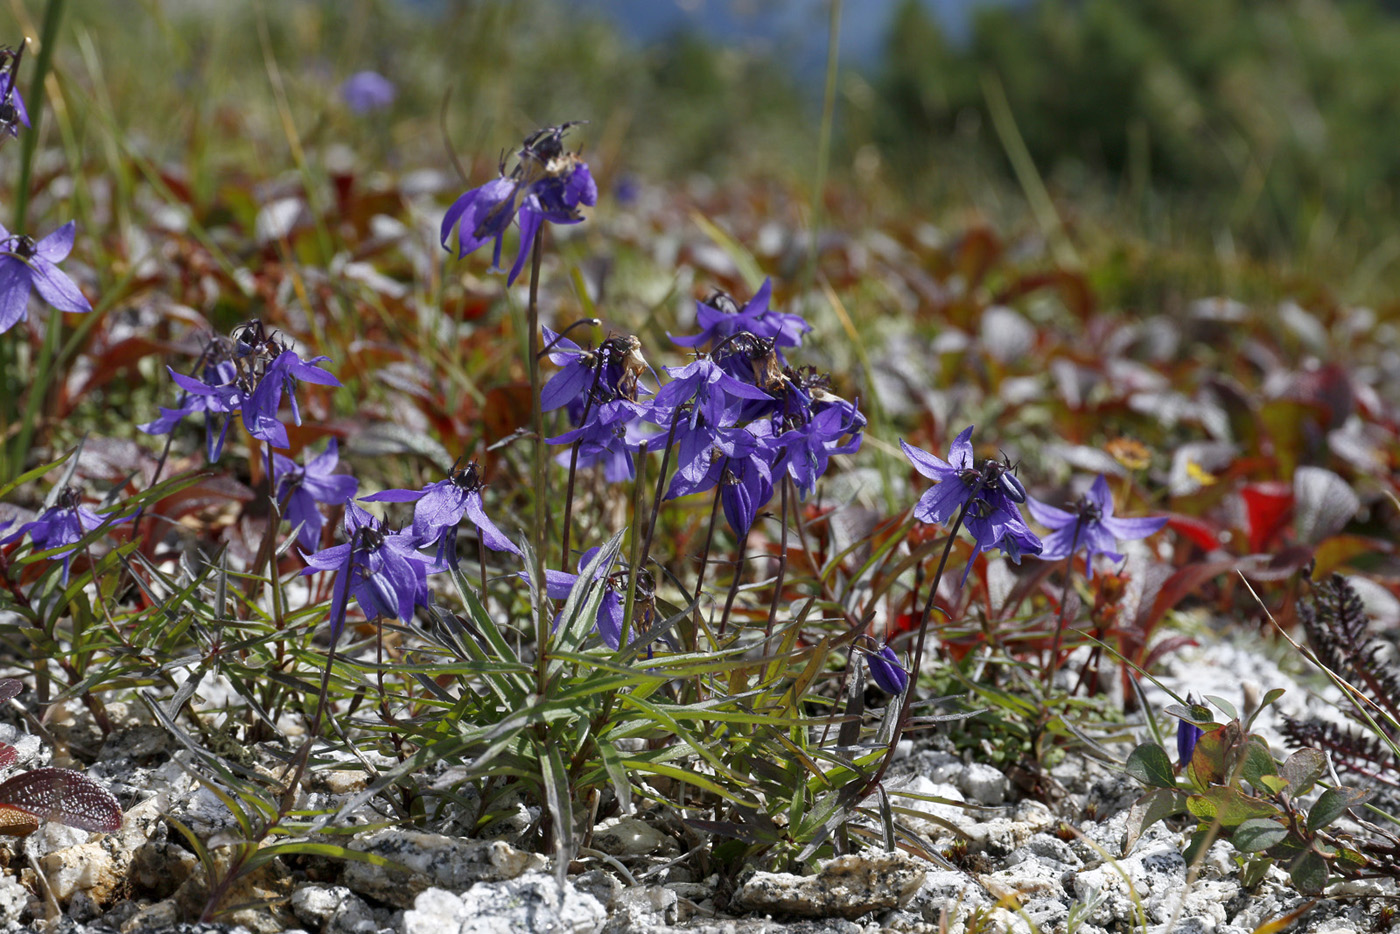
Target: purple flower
[(247, 373), (25, 264), (547, 184), (13, 114), (66, 523), (1089, 525), (808, 447), (987, 496), (720, 317), (1187, 734), (886, 670), (299, 489), (611, 372), (440, 508), (716, 395), (739, 461), (610, 437), (280, 376), (560, 585), (382, 570), (366, 91)]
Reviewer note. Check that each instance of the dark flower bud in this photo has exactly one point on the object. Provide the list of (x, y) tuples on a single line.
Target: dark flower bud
[(1187, 733), (886, 670)]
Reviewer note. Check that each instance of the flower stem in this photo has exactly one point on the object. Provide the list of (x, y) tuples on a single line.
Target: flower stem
[(907, 704), (710, 533), (782, 566), (1054, 666), (540, 477), (660, 488), (634, 549), (573, 467)]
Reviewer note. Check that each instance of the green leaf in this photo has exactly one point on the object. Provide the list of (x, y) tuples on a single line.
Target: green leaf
[(1210, 762), (1194, 849), (1157, 804), (1302, 770), (1309, 873), (1268, 701), (1332, 804), (1258, 833), (1273, 783), (558, 799), (1150, 764), (1254, 871), (1224, 706), (1230, 806), (1258, 762)]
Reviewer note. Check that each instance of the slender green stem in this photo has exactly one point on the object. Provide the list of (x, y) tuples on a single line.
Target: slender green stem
[(734, 585), (48, 41), (782, 566), (660, 487), (540, 476), (634, 552), (907, 705), (1054, 666), (573, 464)]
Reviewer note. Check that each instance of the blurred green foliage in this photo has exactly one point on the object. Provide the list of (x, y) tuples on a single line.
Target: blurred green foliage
[(1269, 121)]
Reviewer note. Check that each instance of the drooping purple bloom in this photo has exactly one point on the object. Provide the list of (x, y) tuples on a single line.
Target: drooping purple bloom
[(716, 395), (611, 436), (547, 184), (559, 585), (1187, 735), (299, 489), (13, 114), (440, 509), (1089, 525), (886, 670), (986, 495), (247, 373), (610, 372), (367, 91), (65, 523), (280, 376), (382, 570), (25, 264), (833, 426), (720, 317)]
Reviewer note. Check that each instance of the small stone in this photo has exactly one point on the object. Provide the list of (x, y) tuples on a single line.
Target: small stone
[(628, 836), (433, 860), (13, 899), (434, 911), (982, 783), (846, 887), (642, 908), (315, 904), (533, 902)]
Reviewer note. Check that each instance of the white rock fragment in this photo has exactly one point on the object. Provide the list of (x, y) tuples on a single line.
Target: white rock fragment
[(629, 836), (845, 887), (433, 860), (533, 902)]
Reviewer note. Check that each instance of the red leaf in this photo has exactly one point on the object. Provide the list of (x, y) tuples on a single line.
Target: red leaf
[(1197, 530), (65, 796), (1267, 506), (8, 755)]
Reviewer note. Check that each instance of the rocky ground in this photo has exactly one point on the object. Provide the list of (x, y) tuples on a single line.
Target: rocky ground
[(1025, 867)]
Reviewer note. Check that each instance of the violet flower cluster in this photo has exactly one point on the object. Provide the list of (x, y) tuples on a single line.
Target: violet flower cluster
[(67, 522), (738, 415), (546, 184), (247, 374), (986, 498)]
